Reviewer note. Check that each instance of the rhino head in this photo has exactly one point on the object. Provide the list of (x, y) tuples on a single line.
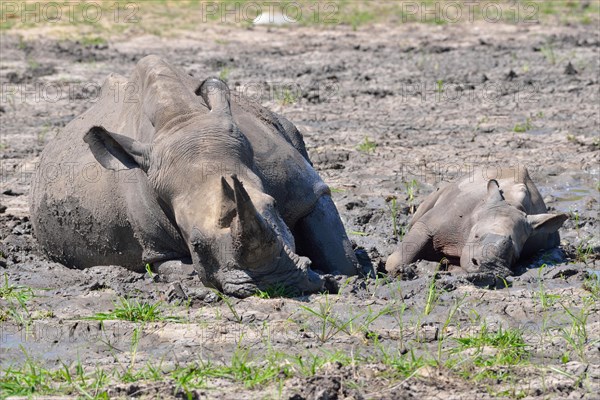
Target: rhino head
[(237, 240), (500, 231), (250, 249)]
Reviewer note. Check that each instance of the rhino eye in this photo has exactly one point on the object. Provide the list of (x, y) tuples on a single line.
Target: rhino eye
[(474, 261)]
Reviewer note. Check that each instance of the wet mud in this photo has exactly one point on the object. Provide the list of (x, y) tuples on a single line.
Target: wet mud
[(387, 114)]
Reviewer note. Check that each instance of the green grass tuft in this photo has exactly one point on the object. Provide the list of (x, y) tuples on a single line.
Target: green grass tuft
[(367, 145), (16, 298), (504, 347), (132, 310)]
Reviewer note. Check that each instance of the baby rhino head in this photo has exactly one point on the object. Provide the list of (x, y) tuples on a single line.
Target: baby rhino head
[(500, 231)]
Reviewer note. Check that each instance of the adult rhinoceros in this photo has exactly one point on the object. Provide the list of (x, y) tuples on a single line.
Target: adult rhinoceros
[(163, 168), (484, 224)]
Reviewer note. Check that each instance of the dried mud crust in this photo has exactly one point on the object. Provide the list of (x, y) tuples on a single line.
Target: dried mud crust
[(431, 100)]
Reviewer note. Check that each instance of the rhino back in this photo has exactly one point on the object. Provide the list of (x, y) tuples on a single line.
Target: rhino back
[(84, 214), (155, 94), (281, 161)]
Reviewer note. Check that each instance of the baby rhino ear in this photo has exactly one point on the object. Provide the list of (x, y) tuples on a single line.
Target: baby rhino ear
[(546, 223), (113, 151), (493, 192)]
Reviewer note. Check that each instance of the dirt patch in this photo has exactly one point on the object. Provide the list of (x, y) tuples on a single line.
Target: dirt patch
[(385, 111)]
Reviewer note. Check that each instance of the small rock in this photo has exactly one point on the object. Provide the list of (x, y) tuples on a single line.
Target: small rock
[(202, 294), (352, 204), (576, 368), (175, 292), (482, 279), (427, 372), (364, 218), (13, 77), (2, 209), (570, 69), (42, 70), (331, 285), (429, 333), (425, 267), (407, 272), (10, 192), (174, 270)]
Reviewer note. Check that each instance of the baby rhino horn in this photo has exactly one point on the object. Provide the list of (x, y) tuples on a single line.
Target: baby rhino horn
[(228, 206)]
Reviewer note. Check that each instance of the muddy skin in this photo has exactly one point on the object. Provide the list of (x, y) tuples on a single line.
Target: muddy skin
[(485, 222), (418, 135), (236, 229)]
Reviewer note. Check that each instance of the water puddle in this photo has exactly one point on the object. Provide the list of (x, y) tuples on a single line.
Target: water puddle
[(594, 272), (570, 199), (571, 192)]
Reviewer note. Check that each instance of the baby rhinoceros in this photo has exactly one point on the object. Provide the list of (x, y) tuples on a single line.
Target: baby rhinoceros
[(484, 224), (162, 168)]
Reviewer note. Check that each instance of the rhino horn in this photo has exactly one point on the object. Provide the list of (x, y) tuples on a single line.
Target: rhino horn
[(228, 205), (215, 94), (255, 239)]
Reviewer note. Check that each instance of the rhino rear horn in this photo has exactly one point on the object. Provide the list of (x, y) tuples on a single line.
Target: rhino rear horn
[(216, 95), (255, 238)]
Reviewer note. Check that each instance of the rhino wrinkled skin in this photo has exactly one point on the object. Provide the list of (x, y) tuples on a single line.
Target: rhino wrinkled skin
[(484, 224), (162, 168)]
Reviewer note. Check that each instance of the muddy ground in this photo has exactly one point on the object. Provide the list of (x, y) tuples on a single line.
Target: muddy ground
[(432, 102)]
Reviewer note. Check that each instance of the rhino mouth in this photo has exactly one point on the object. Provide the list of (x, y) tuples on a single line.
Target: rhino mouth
[(288, 270), (234, 277), (492, 253), (496, 265)]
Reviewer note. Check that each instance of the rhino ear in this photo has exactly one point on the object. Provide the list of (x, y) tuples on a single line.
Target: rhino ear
[(493, 191), (546, 223), (216, 95), (114, 151)]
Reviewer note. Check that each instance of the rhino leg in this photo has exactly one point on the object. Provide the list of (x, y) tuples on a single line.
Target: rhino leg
[(416, 245), (321, 237)]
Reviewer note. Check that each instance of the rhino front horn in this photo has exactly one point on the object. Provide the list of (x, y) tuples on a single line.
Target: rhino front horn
[(215, 93), (256, 240)]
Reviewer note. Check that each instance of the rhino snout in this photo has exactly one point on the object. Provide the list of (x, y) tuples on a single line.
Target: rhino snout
[(489, 253)]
